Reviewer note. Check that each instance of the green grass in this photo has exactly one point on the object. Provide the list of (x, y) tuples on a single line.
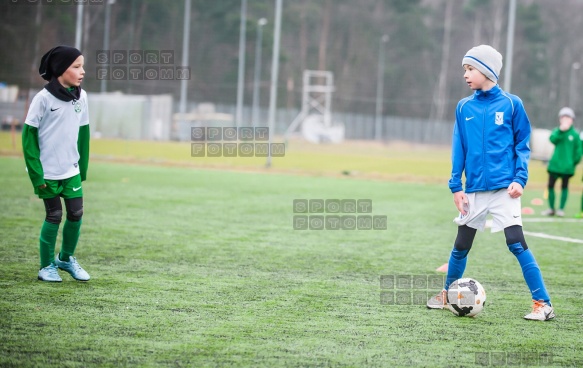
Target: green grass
[(361, 159), (198, 267), (203, 268)]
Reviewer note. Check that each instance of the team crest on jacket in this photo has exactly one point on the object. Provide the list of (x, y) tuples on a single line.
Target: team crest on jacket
[(499, 118), (77, 105)]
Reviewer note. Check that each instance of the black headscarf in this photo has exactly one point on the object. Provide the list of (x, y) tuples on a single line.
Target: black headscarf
[(52, 65), (56, 61)]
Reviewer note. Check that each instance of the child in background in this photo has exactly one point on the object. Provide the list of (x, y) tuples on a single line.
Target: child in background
[(580, 214), (55, 142), (565, 158)]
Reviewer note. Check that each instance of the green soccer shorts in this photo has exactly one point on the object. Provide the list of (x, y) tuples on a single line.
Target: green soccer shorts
[(66, 188)]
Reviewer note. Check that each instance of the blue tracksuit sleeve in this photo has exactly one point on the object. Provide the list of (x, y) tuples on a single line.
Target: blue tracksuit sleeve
[(521, 128), (458, 157)]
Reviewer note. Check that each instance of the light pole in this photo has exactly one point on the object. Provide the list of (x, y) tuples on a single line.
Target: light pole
[(510, 45), (257, 79), (79, 26), (573, 84), (380, 88), (185, 52), (108, 5), (274, 76), (241, 72)]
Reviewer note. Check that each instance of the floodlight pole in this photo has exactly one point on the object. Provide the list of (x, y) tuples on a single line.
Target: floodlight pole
[(380, 88), (510, 45), (241, 72), (185, 51), (274, 75), (255, 112), (573, 84), (106, 39), (79, 26)]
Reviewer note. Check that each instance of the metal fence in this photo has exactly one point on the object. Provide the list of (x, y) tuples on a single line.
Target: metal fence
[(113, 117), (360, 126)]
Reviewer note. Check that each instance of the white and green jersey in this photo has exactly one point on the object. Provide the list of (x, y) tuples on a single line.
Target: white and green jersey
[(58, 123)]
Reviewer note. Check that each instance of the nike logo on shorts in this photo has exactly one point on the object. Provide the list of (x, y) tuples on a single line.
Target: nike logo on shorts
[(76, 189), (470, 118)]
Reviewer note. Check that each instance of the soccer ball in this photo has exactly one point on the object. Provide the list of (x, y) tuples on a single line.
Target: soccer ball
[(466, 297)]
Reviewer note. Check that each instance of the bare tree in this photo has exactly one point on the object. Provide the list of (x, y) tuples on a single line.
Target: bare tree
[(440, 95), (499, 7), (324, 35), (303, 37)]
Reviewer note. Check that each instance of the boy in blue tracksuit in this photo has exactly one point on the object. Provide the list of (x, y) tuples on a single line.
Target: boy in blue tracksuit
[(491, 147)]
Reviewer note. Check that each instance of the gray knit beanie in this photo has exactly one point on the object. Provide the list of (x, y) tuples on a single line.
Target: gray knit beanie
[(486, 59), (567, 111)]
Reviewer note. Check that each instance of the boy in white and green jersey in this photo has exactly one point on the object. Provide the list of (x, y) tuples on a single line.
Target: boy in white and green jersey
[(55, 141)]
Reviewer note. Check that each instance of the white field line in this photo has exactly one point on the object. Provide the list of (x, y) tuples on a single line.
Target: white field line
[(543, 235), (553, 237), (549, 219), (548, 236)]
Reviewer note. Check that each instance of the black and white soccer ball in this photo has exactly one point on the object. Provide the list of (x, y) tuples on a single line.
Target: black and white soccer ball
[(466, 297)]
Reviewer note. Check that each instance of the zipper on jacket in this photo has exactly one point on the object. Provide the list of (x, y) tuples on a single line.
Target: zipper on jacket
[(485, 167)]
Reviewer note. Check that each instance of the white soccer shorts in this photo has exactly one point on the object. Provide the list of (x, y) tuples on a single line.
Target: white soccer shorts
[(505, 210)]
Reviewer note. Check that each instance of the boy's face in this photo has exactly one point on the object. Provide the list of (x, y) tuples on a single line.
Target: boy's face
[(73, 76), (565, 121), (474, 78)]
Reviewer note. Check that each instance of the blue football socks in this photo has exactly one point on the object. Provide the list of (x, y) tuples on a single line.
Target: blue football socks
[(531, 272), (456, 266)]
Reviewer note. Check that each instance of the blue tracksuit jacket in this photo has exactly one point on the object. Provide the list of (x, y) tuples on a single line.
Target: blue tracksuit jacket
[(490, 142)]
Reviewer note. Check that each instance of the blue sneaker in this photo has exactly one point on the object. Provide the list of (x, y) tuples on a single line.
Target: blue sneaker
[(49, 273), (73, 268)]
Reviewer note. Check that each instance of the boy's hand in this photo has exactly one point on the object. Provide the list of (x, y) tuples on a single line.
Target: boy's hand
[(514, 190), (43, 186), (461, 202)]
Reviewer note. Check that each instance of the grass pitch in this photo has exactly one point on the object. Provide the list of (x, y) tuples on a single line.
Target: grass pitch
[(203, 268), (361, 159)]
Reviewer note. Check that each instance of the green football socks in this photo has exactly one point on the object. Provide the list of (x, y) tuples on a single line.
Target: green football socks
[(71, 231), (48, 239), (552, 198), (564, 195)]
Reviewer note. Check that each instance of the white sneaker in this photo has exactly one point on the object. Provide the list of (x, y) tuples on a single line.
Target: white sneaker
[(548, 212), (439, 301), (560, 213), (541, 311), (49, 273), (73, 268)]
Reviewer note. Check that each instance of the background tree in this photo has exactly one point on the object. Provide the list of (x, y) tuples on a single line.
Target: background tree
[(423, 75)]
